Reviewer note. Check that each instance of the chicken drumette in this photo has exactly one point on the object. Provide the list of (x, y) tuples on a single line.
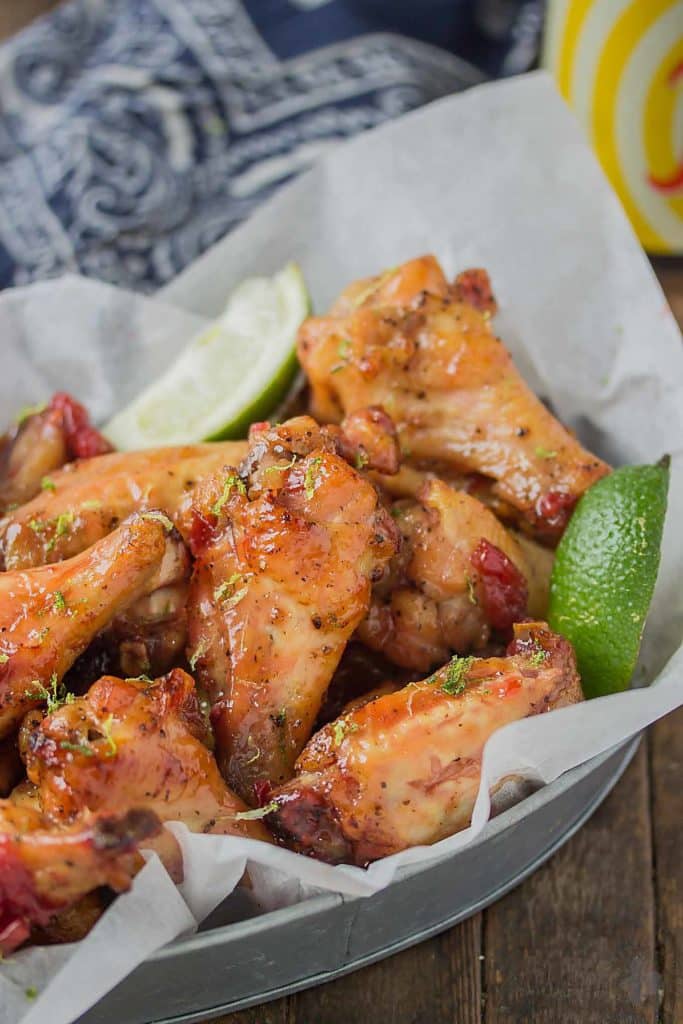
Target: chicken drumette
[(404, 769), (425, 352), (458, 577), (285, 552), (49, 615)]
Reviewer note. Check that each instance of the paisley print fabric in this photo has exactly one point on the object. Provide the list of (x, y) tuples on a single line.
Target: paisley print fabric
[(135, 133)]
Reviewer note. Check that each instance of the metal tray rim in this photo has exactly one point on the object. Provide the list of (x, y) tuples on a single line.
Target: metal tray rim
[(507, 818)]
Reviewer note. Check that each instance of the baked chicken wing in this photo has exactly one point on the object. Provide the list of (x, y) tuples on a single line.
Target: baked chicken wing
[(459, 577), (404, 769), (285, 553), (46, 868), (41, 443), (425, 352), (134, 743), (49, 615), (86, 500)]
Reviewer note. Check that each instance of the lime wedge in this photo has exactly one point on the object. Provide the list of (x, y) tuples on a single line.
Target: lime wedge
[(236, 371), (605, 572)]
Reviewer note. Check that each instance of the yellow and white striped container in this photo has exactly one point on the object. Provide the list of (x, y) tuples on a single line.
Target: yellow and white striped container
[(619, 63)]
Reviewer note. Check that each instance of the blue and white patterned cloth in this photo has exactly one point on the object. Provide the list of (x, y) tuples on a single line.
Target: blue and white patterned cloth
[(135, 133)]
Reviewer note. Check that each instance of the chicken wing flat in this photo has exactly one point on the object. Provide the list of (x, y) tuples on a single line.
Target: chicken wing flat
[(285, 553), (42, 441), (88, 499), (46, 868), (426, 353), (135, 743), (50, 614), (404, 770), (458, 577)]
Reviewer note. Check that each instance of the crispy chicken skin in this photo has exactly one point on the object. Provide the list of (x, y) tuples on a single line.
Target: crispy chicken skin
[(46, 868), (427, 355), (41, 443), (49, 615), (135, 743), (404, 769), (458, 576), (88, 499), (285, 553)]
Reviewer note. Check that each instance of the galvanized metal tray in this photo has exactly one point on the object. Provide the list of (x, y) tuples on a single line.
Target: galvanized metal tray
[(231, 963)]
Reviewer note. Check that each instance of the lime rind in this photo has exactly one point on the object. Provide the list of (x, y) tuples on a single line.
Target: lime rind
[(605, 572), (262, 405)]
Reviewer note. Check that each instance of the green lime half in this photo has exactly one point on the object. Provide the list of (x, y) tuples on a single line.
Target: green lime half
[(605, 572), (234, 372)]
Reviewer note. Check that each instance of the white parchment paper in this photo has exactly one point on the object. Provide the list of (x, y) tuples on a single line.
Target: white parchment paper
[(499, 177)]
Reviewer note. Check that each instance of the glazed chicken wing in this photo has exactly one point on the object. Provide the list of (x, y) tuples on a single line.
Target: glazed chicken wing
[(135, 743), (50, 614), (41, 443), (404, 769), (425, 352), (458, 577), (88, 499), (46, 868), (285, 553)]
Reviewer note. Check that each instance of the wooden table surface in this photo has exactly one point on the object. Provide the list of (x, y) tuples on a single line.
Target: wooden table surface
[(594, 937)]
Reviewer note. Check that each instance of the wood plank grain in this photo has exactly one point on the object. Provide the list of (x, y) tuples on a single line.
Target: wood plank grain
[(271, 1013), (667, 826), (575, 943), (437, 982), (666, 746)]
